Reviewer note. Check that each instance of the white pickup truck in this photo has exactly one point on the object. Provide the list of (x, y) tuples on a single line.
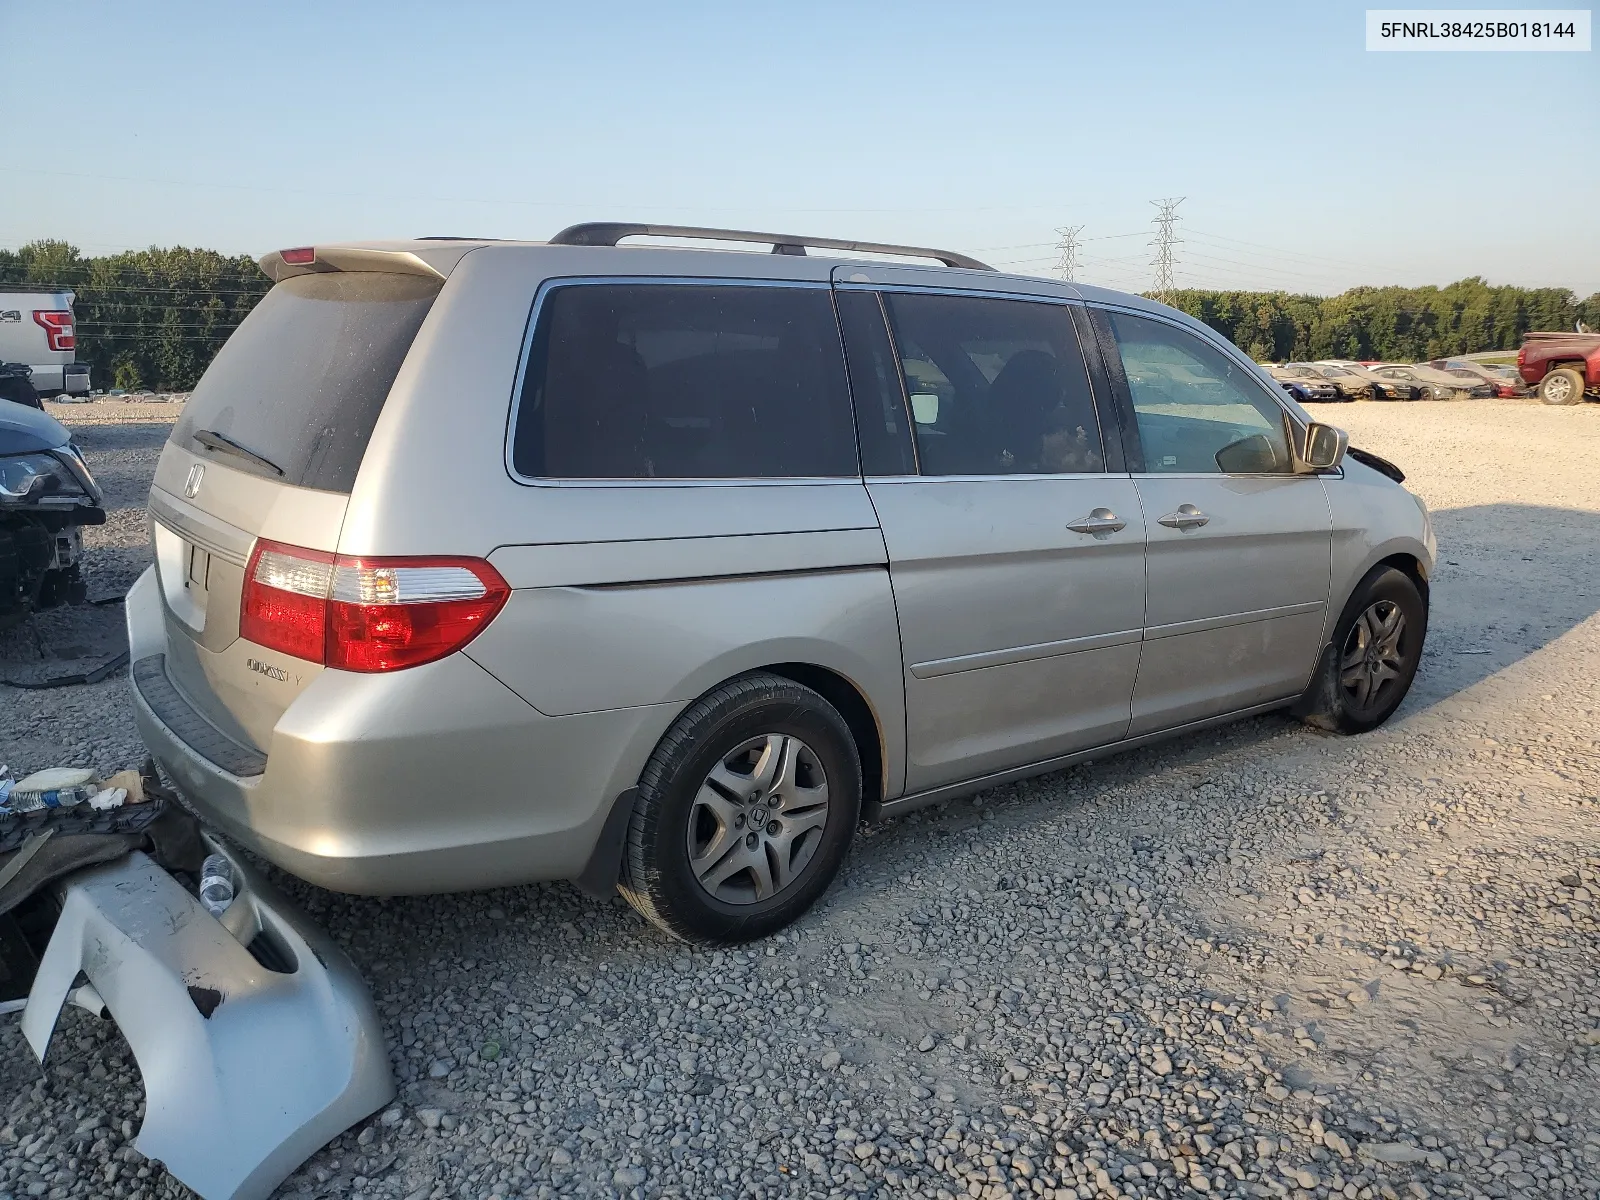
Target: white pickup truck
[(37, 330)]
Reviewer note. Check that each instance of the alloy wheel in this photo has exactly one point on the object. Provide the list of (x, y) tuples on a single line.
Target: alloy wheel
[(757, 819), (1373, 659)]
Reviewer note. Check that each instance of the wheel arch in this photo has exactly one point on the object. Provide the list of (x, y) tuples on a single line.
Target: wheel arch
[(865, 725), (1405, 554), (598, 877), (1588, 377), (1408, 565)]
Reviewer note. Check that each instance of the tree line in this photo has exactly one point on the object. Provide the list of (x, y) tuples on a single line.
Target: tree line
[(154, 318), (1393, 324), (145, 318)]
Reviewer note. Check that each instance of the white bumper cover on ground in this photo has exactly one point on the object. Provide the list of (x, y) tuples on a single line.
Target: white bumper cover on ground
[(248, 1069)]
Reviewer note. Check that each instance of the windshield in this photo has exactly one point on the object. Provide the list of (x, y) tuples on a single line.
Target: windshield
[(298, 387)]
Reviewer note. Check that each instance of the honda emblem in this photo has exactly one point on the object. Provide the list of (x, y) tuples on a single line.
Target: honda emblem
[(191, 485)]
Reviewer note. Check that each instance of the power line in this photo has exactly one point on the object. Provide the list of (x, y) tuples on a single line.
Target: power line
[(87, 291), (1274, 250), (1067, 263), (1249, 266), (1023, 246), (1165, 243)]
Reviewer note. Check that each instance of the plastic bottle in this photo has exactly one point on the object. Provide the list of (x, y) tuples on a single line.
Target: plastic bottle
[(216, 884), (57, 787)]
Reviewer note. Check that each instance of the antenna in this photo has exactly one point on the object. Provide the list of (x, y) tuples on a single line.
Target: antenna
[(1166, 241), (1067, 264)]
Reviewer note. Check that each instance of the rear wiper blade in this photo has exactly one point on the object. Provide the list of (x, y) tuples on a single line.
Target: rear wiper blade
[(212, 440)]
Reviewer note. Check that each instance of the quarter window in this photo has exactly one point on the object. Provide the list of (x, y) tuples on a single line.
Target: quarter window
[(1197, 410), (996, 387), (881, 423), (684, 381)]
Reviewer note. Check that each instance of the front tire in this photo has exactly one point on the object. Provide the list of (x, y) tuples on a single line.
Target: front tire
[(1561, 386), (745, 812), (1368, 667)]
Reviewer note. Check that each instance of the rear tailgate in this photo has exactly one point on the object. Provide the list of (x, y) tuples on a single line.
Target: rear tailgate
[(268, 447)]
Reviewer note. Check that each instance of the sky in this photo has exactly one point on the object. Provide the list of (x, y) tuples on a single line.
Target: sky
[(1306, 163)]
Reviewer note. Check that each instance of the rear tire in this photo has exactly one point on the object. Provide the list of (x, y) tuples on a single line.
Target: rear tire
[(19, 390), (1562, 386), (745, 812), (1368, 667)]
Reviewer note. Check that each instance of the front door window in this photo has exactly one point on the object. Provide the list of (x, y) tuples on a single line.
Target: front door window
[(1198, 411)]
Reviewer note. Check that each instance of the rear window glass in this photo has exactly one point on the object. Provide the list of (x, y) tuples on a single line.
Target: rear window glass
[(684, 381), (303, 379)]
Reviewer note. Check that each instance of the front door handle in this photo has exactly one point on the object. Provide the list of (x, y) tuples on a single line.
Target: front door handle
[(1101, 520), (1187, 517)]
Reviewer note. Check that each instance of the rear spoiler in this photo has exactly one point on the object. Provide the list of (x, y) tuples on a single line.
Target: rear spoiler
[(307, 260)]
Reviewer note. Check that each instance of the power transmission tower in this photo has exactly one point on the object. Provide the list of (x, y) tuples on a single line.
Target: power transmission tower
[(1067, 264), (1165, 243)]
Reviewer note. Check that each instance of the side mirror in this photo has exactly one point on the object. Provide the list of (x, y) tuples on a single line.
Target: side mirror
[(1253, 455), (1324, 447)]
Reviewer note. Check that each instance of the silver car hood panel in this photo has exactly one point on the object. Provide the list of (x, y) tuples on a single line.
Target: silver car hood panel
[(247, 1070)]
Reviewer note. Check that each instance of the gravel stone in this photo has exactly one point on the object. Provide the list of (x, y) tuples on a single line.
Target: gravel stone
[(1215, 966)]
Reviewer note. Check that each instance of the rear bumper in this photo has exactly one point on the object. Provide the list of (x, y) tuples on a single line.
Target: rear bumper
[(427, 806), (71, 378), (434, 779), (48, 379), (203, 1013)]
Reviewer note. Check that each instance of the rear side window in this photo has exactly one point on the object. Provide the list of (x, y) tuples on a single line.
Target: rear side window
[(997, 387), (684, 381), (302, 381)]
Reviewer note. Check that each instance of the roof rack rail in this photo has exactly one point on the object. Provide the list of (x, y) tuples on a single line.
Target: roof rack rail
[(609, 233)]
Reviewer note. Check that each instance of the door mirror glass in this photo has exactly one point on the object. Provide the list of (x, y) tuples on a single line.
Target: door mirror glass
[(1253, 455), (1325, 447)]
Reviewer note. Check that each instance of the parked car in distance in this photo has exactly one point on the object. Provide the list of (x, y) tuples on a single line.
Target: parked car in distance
[(1357, 383), (1306, 392), (1305, 387), (1434, 383), (1562, 367), (1504, 381), (740, 548), (37, 330), (1504, 374)]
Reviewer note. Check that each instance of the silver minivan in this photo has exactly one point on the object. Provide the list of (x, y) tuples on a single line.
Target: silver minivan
[(660, 568)]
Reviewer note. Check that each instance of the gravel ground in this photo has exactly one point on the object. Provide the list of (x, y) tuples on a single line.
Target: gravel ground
[(1262, 961)]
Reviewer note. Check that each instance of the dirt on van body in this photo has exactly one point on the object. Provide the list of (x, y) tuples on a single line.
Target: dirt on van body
[(1260, 961)]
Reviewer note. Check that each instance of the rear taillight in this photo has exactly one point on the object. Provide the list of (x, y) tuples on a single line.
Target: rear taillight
[(300, 256), (365, 614), (285, 602), (58, 330)]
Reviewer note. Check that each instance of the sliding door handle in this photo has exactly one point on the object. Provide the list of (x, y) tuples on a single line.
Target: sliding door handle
[(1187, 517), (1101, 520)]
